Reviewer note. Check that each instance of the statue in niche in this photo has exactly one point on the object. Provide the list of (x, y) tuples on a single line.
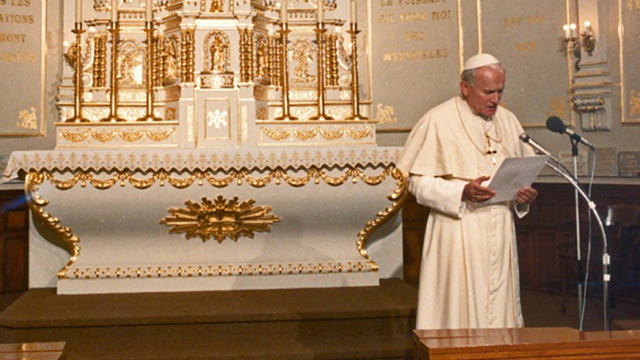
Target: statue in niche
[(130, 71), (217, 49), (302, 56), (263, 59), (172, 71), (216, 52), (217, 6)]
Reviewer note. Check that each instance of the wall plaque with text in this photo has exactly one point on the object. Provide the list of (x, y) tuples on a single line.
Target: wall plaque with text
[(22, 59), (415, 57), (526, 36)]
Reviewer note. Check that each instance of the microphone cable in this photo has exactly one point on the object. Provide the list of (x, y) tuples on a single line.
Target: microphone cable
[(589, 242)]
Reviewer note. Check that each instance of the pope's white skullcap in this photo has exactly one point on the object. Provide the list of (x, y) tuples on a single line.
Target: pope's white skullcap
[(480, 60)]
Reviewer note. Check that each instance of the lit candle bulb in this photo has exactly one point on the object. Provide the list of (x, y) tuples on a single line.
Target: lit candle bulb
[(354, 12), (149, 10), (320, 11), (65, 46), (114, 10), (587, 27), (283, 11), (572, 27), (78, 11), (567, 34)]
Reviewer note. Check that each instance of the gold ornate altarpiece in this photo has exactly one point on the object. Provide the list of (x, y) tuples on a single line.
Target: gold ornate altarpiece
[(211, 190)]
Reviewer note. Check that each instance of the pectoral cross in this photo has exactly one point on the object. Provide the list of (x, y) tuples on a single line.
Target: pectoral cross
[(490, 150)]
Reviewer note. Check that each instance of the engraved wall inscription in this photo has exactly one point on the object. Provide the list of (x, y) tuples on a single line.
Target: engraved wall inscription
[(22, 24), (525, 37), (415, 57)]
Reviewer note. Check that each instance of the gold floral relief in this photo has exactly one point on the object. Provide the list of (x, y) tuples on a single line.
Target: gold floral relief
[(331, 135), (359, 135), (385, 114), (75, 137), (171, 114), (276, 135), (305, 135), (28, 119), (634, 102), (104, 137), (220, 219)]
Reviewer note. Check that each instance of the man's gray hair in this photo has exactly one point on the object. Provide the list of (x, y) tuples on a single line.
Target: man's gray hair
[(469, 76)]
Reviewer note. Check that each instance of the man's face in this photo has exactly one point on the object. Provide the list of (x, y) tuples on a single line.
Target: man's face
[(484, 95)]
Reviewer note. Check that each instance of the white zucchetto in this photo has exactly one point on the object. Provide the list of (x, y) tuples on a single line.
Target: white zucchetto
[(480, 60)]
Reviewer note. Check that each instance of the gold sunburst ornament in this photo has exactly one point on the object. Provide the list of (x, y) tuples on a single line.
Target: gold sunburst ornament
[(220, 218)]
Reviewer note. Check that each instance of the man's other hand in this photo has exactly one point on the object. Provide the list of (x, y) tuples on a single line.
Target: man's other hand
[(526, 195)]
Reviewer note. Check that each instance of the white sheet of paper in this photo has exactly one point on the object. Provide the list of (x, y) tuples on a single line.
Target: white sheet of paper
[(514, 174)]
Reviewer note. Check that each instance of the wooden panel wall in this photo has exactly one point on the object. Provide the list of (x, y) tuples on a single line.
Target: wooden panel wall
[(14, 241), (547, 232)]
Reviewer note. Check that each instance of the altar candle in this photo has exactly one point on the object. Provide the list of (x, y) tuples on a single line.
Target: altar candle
[(572, 27), (149, 10), (354, 12), (78, 11), (114, 10), (320, 11), (566, 31), (283, 11)]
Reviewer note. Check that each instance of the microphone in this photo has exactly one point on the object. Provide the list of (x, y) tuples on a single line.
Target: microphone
[(528, 140), (556, 125)]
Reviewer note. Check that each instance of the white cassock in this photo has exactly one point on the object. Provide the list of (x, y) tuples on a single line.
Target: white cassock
[(469, 276)]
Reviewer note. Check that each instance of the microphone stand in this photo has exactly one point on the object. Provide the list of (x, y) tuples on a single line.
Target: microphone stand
[(574, 155), (606, 260)]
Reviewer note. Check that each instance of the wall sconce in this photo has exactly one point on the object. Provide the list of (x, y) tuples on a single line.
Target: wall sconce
[(586, 40)]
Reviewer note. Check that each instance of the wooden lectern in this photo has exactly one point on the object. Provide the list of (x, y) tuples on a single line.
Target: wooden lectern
[(529, 343)]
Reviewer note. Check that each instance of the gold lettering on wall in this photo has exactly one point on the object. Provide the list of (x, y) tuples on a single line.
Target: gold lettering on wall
[(414, 35), (633, 4), (515, 21), (527, 46), (634, 102), (13, 38), (416, 55), (23, 58)]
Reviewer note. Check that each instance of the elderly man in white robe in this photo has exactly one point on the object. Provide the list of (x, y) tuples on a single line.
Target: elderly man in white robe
[(469, 275)]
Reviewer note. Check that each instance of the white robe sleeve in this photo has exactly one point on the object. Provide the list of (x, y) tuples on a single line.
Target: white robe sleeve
[(439, 194), (521, 209)]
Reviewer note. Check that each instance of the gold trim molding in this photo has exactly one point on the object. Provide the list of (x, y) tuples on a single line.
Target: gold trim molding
[(37, 204), (108, 136), (187, 271), (282, 134)]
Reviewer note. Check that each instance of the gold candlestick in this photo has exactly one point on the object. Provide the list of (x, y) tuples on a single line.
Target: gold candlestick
[(355, 96), (150, 68), (77, 115), (320, 30), (286, 115), (113, 112)]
